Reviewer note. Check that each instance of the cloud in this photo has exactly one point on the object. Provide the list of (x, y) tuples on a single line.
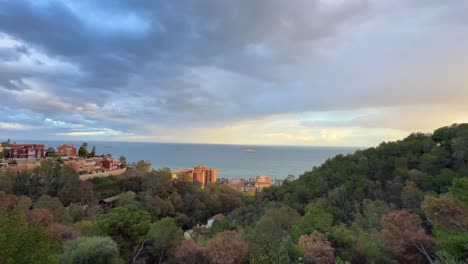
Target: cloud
[(13, 126), (210, 67), (101, 132)]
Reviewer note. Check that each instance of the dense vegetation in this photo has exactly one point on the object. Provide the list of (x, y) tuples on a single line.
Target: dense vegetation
[(400, 202)]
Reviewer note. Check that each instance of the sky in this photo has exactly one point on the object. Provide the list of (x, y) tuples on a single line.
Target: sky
[(274, 72)]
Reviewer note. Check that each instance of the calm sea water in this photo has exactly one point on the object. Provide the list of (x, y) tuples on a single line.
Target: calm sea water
[(231, 162)]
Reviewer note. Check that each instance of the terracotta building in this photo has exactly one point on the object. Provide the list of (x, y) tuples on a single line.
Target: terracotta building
[(110, 164), (262, 182), (202, 174), (28, 151), (66, 151)]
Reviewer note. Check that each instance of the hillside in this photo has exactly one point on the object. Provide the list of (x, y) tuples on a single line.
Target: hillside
[(400, 202)]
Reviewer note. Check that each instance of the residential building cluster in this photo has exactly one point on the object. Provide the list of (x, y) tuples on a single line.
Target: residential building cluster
[(256, 186), (28, 156), (93, 165)]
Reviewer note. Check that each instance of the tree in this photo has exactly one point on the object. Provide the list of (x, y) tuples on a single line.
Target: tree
[(227, 248), (82, 151), (126, 225), (68, 185), (458, 189), (11, 202), (158, 182), (157, 207), (411, 196), (41, 217), (369, 248), (55, 206), (126, 198), (91, 250), (6, 153), (443, 257), (454, 243), (190, 253), (163, 237), (343, 240), (143, 166), (22, 243), (369, 213), (7, 181), (123, 161), (51, 178), (315, 218), (316, 248), (63, 233), (93, 152), (76, 212), (405, 237), (450, 218), (50, 152), (270, 236), (448, 213)]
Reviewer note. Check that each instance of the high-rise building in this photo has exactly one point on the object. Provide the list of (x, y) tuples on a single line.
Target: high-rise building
[(202, 174), (262, 182)]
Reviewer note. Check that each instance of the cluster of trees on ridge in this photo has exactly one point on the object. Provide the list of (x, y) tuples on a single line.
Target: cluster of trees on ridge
[(400, 202)]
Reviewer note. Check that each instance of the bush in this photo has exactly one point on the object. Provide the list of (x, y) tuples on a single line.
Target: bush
[(95, 250)]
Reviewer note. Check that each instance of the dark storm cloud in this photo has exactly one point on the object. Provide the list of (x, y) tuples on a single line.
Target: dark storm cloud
[(122, 64), (180, 34)]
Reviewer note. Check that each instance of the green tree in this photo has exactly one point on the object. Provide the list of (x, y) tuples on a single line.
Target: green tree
[(163, 238), (315, 218), (123, 160), (343, 240), (7, 181), (143, 166), (6, 153), (76, 212), (158, 182), (368, 214), (126, 225), (459, 189), (50, 152), (454, 243), (411, 196), (126, 198), (270, 236), (82, 151), (93, 152), (84, 250), (443, 257), (158, 207), (68, 185), (21, 243)]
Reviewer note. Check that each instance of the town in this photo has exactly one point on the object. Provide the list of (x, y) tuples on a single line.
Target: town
[(22, 157)]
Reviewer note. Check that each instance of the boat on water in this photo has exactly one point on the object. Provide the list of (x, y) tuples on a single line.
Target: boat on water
[(248, 150)]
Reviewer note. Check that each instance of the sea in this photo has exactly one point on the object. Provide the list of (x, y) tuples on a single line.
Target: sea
[(230, 160)]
